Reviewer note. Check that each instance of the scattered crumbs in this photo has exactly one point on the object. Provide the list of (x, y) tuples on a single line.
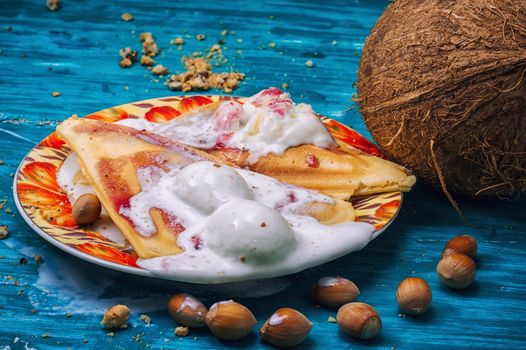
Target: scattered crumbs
[(46, 335), (239, 40), (9, 28), (4, 231), (221, 41), (128, 53), (147, 61), (402, 315), (8, 210), (34, 311), (159, 70), (126, 87), (271, 17), (272, 44), (177, 41), (331, 319), (110, 334), (69, 315), (413, 272), (224, 32), (334, 43), (242, 259), (166, 340), (146, 319), (85, 340), (1, 162), (199, 75), (126, 16), (285, 86), (181, 331), (309, 63), (53, 5), (200, 37), (56, 93), (116, 317), (22, 261)]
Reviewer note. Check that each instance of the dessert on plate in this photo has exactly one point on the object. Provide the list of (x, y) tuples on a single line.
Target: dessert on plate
[(229, 192)]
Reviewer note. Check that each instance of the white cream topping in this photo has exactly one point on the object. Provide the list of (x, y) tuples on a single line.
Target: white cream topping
[(269, 122)]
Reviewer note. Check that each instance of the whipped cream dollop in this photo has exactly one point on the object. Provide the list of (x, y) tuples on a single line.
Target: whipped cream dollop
[(269, 122)]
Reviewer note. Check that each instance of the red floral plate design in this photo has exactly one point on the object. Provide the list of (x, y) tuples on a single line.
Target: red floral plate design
[(46, 208)]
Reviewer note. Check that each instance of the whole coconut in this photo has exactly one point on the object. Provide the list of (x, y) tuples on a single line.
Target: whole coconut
[(442, 88)]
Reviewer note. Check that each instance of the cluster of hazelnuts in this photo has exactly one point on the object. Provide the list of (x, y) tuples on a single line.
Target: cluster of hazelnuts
[(456, 270), (287, 327)]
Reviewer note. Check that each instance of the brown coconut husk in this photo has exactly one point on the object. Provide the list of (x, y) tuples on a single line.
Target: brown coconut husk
[(442, 88)]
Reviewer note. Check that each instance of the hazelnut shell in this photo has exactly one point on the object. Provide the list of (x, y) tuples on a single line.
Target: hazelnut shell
[(414, 295), (286, 328), (456, 271), (359, 320), (187, 310), (229, 320), (335, 291)]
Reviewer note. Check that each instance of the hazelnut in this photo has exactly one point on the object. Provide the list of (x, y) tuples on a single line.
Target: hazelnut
[(335, 291), (463, 244), (187, 310), (286, 328), (229, 320), (456, 271), (86, 209), (413, 295), (359, 320), (116, 317)]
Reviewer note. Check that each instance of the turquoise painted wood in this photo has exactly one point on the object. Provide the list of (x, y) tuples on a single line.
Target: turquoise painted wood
[(75, 51)]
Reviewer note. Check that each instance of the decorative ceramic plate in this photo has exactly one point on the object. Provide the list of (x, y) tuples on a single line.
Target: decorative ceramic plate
[(46, 208)]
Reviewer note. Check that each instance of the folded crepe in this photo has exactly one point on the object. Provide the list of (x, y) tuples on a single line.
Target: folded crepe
[(110, 157), (334, 168)]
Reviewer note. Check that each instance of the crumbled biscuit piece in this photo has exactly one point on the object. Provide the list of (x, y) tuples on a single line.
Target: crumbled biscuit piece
[(125, 63), (146, 319), (56, 93), (159, 70), (215, 48), (116, 317), (221, 42), (4, 231), (38, 259), (110, 334), (331, 319), (272, 44), (334, 43), (147, 61), (128, 53), (285, 86), (149, 47), (309, 63), (181, 331), (22, 261), (200, 37), (178, 41), (224, 32), (127, 17), (53, 5)]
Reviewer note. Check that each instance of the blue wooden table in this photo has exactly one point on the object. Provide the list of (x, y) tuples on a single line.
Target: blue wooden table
[(59, 302)]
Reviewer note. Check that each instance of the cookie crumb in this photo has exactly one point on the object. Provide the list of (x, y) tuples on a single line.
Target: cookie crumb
[(159, 70), (56, 93), (200, 37), (125, 63), (146, 61), (146, 319), (126, 16), (334, 43), (4, 231), (53, 5), (128, 53), (309, 64), (22, 261), (285, 86), (110, 334), (69, 315), (149, 47), (272, 44), (331, 319), (116, 317), (85, 340), (181, 331), (46, 335), (224, 32), (38, 259), (178, 41)]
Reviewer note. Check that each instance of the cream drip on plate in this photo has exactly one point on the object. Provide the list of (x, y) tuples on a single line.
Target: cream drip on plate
[(269, 122)]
